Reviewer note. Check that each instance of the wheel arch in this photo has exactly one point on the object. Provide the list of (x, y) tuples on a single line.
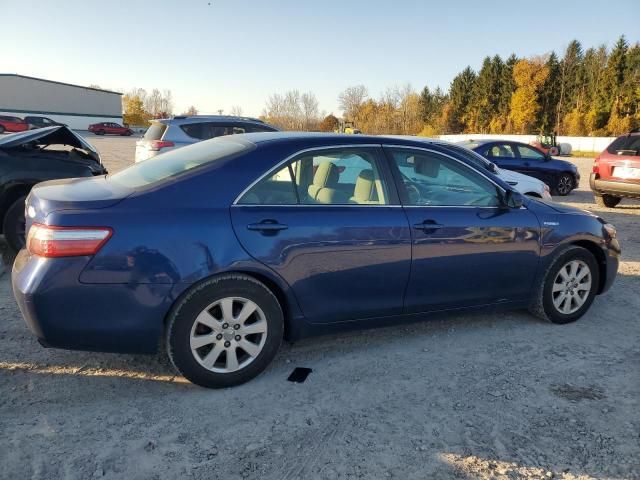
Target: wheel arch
[(289, 305), (11, 195), (600, 257)]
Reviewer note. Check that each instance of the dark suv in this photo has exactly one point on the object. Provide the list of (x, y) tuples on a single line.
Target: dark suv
[(616, 171), (170, 133)]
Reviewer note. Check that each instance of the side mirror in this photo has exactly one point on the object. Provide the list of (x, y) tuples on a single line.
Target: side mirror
[(513, 199)]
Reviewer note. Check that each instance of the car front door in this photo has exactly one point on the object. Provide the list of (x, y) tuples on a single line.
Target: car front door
[(468, 248), (534, 164), (329, 223)]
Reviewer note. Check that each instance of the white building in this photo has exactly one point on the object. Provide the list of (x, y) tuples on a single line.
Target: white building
[(74, 105)]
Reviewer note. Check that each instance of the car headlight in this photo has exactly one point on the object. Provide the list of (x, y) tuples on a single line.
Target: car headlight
[(611, 230)]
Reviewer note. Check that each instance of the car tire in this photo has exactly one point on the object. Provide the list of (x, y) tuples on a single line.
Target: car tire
[(609, 201), (564, 185), (560, 301), (13, 225), (206, 331), (1, 129), (100, 132)]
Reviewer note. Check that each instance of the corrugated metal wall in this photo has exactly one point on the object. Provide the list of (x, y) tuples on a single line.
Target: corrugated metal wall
[(74, 105)]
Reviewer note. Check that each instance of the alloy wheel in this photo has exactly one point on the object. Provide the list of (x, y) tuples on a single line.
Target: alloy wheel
[(564, 185), (571, 287), (228, 334)]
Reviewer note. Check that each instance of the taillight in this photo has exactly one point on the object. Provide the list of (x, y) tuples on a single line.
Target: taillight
[(596, 165), (52, 241), (158, 144)]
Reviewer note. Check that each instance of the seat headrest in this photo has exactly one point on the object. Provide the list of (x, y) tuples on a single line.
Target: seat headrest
[(365, 189), (326, 175)]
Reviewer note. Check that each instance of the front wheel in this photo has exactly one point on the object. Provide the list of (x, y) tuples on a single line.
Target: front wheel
[(225, 331), (13, 225), (608, 201), (564, 184), (569, 286)]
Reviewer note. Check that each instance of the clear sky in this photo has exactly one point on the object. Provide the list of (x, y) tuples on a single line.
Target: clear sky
[(220, 53)]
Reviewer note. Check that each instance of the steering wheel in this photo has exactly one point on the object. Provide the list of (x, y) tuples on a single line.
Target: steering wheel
[(414, 194)]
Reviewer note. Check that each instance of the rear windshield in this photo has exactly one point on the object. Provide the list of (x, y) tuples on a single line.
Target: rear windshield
[(627, 145), (155, 131), (177, 162)]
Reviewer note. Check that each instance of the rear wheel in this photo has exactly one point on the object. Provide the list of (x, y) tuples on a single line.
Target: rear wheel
[(13, 225), (225, 331), (564, 185), (609, 201), (100, 132), (569, 286)]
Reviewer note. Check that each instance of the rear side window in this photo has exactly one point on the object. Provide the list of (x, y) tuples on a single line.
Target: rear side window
[(206, 130), (177, 162), (155, 131), (627, 145), (258, 128)]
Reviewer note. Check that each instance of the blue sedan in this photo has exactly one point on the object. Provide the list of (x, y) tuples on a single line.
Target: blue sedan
[(561, 176), (223, 248)]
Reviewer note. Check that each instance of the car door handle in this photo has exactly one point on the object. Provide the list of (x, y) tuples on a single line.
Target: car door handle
[(428, 226), (267, 226)]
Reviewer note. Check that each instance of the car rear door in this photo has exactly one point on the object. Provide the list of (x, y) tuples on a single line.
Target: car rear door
[(468, 250), (329, 223)]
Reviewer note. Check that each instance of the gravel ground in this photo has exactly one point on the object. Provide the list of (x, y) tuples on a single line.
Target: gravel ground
[(482, 396)]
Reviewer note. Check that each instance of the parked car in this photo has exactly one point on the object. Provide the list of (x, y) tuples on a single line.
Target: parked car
[(110, 128), (616, 171), (522, 183), (561, 176), (34, 156), (12, 124), (170, 133), (225, 246), (40, 122)]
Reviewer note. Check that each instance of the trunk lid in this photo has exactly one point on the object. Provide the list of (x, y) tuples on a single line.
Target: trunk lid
[(72, 194)]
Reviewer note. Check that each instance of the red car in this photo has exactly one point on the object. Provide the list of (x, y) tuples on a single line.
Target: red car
[(616, 171), (110, 128), (12, 124)]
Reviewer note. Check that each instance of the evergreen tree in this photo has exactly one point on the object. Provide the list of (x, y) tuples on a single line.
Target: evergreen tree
[(571, 81), (459, 98), (549, 96)]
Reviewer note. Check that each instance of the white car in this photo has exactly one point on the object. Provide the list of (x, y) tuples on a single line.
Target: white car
[(522, 183)]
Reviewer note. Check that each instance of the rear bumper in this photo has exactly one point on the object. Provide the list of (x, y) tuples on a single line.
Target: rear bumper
[(611, 187), (64, 313)]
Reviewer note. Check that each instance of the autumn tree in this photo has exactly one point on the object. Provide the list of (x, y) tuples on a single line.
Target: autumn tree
[(529, 76), (351, 99), (329, 123), (192, 110)]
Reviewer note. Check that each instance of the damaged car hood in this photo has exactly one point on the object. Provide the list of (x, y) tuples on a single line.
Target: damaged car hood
[(56, 135)]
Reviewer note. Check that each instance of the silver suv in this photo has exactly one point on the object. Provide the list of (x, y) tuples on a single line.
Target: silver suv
[(170, 133)]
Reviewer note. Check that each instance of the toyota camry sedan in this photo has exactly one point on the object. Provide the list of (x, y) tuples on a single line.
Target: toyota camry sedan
[(219, 250)]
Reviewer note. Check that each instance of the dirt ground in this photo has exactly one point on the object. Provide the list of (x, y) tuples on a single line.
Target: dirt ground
[(483, 396)]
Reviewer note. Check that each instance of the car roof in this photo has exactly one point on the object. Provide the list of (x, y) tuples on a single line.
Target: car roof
[(208, 118), (335, 138)]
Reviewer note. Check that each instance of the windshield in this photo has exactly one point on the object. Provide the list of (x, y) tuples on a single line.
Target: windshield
[(177, 162)]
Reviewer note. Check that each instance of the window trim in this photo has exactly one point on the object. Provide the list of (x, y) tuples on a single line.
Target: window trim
[(401, 188), (385, 173)]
